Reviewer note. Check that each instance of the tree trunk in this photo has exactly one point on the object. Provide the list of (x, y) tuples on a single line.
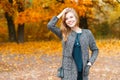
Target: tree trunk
[(11, 27), (20, 32), (83, 22), (20, 29)]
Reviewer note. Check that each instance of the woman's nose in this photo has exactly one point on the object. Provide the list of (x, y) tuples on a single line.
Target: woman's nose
[(69, 20)]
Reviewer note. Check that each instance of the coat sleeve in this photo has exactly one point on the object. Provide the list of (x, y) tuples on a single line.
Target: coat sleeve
[(93, 47), (52, 26)]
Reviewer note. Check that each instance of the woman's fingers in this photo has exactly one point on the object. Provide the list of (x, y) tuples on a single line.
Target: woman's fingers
[(67, 9)]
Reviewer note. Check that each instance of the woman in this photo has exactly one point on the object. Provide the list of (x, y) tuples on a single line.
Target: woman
[(75, 41)]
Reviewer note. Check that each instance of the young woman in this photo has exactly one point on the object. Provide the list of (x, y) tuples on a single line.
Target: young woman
[(76, 43)]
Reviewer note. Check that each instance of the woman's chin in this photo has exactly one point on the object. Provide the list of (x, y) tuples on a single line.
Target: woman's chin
[(71, 26)]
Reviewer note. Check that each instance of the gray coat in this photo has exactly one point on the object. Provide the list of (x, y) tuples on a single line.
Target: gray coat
[(86, 40)]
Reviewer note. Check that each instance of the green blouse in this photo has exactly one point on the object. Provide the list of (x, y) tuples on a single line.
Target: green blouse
[(77, 53)]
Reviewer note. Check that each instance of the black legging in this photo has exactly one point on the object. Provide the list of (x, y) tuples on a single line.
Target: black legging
[(79, 76)]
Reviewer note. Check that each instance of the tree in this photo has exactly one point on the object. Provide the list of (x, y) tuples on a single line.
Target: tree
[(11, 8), (10, 22), (105, 14), (20, 29)]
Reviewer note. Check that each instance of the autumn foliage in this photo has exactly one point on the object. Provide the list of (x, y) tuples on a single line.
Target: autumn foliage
[(37, 13), (39, 10)]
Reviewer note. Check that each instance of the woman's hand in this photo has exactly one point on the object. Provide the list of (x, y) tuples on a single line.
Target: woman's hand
[(86, 71), (63, 12)]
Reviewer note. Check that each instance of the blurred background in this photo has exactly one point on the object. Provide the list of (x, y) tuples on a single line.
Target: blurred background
[(26, 20)]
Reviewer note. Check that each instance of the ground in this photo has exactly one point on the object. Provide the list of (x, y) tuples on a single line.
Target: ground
[(40, 66), (45, 68)]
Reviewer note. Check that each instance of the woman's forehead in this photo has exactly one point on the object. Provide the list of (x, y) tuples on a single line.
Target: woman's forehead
[(69, 14)]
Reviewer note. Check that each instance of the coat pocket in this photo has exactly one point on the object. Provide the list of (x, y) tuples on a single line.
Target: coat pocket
[(60, 72)]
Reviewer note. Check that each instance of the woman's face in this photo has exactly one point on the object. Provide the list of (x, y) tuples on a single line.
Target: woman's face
[(70, 19)]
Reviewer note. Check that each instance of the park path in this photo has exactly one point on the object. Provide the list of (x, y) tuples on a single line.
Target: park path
[(44, 67)]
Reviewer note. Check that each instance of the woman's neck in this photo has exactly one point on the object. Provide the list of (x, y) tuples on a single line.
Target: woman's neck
[(77, 29)]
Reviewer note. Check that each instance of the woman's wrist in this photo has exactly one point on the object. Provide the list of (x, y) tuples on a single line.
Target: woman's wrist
[(59, 16)]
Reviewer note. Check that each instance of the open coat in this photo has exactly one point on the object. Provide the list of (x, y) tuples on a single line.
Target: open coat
[(86, 40)]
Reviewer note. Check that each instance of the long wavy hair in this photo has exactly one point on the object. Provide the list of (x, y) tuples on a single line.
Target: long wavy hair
[(65, 29)]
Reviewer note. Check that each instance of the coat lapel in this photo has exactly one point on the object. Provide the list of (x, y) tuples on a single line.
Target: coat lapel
[(70, 42)]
